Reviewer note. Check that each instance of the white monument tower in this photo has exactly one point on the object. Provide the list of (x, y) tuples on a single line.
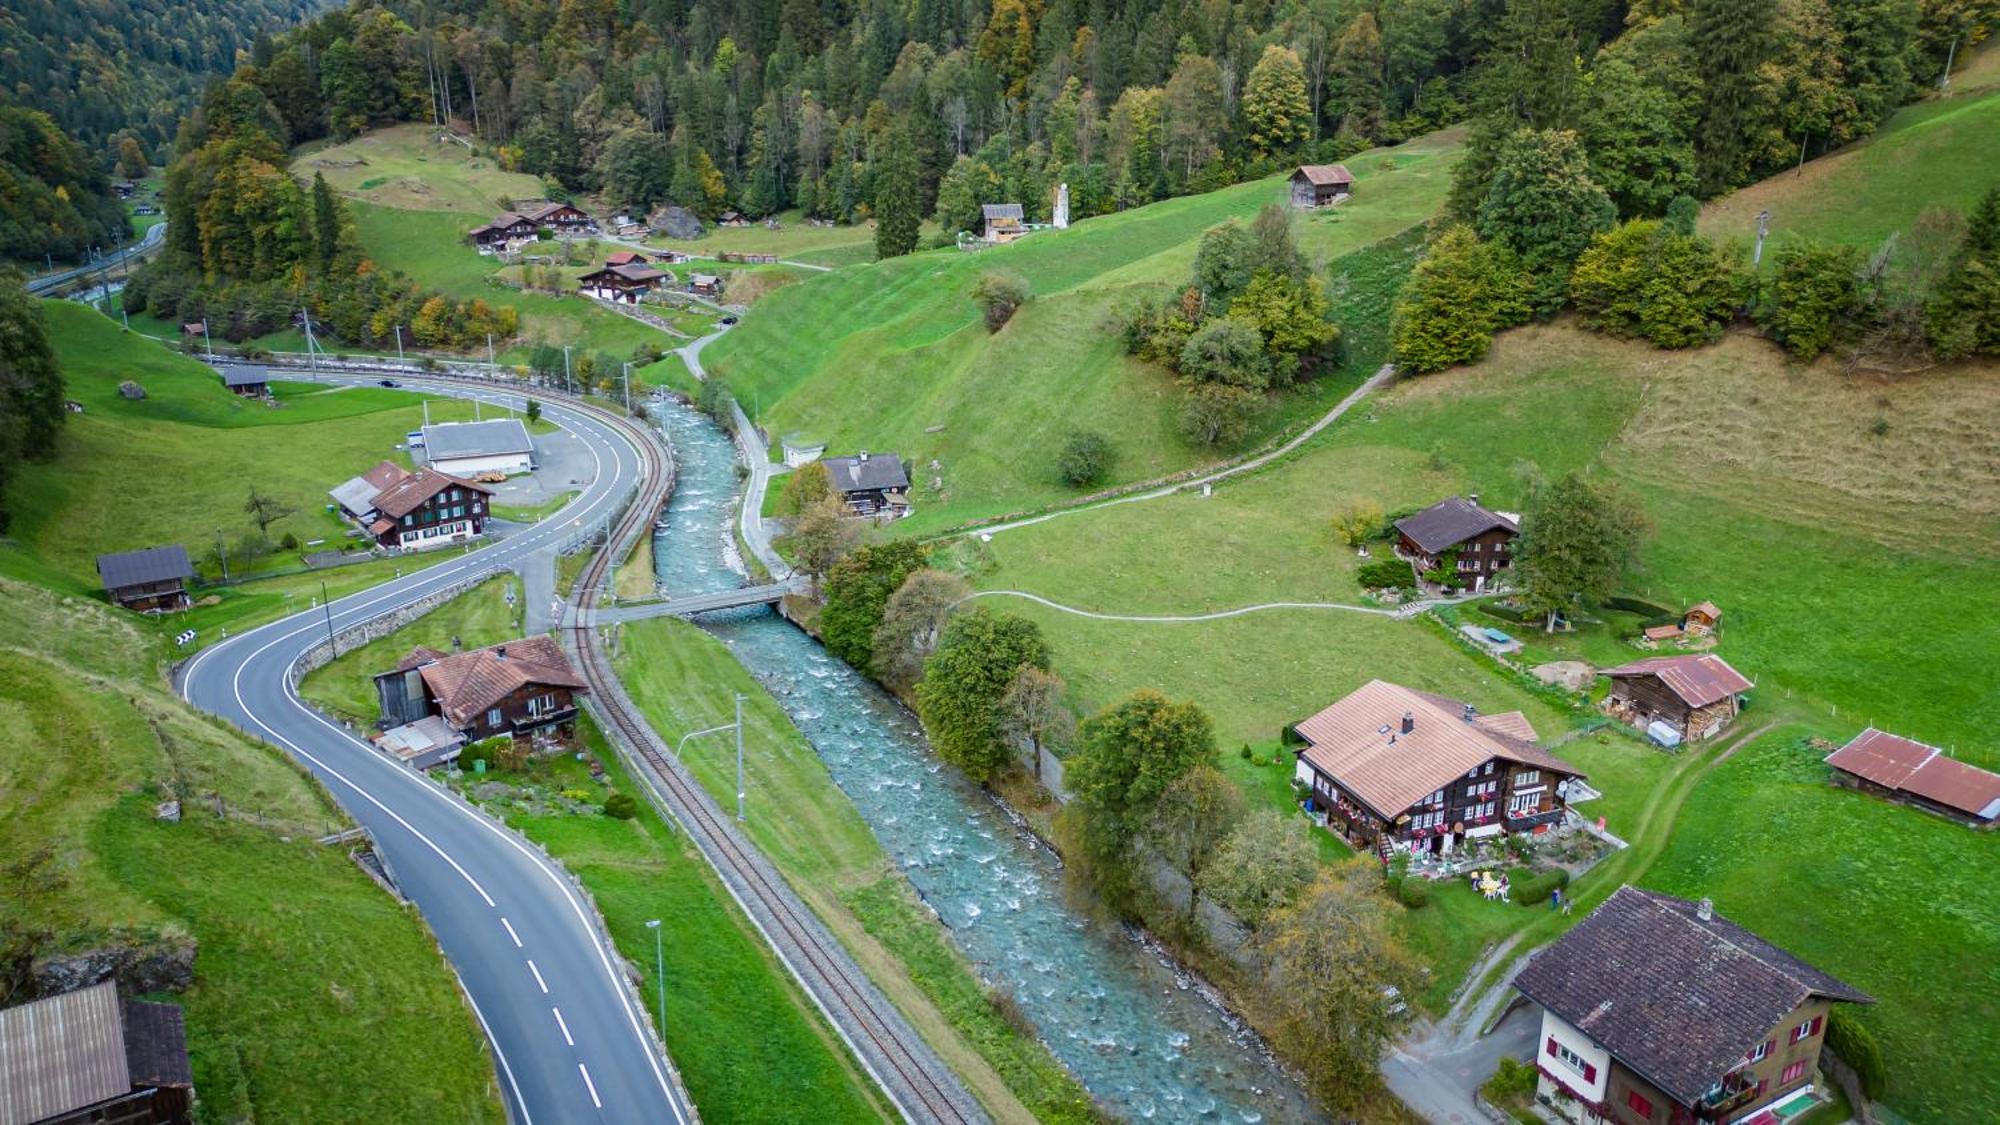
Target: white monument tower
[(1062, 207)]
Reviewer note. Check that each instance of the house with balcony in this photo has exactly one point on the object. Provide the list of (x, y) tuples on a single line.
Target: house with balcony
[(1659, 1011), (1475, 543), (515, 688), (1391, 768)]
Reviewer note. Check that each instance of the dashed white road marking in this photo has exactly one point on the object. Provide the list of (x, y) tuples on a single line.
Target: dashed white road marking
[(511, 933), (589, 1085), (538, 976), (561, 1023)]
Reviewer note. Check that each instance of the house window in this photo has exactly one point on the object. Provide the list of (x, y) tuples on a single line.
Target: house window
[(409, 521), (493, 717), (1437, 798), (1475, 548), (1522, 803), (1572, 1060), (1638, 1104), (1526, 778), (1762, 1052), (1807, 1029), (1489, 769), (1793, 1073)]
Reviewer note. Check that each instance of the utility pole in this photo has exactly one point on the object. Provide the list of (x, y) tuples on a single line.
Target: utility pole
[(739, 759), (207, 344), (567, 385), (327, 603), (1944, 80), (489, 349), (660, 974), (628, 388), (1763, 232), (223, 554), (399, 343), (307, 315)]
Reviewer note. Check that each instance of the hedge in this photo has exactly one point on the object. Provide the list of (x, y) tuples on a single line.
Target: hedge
[(1517, 614), (1535, 890), (1383, 574), (1855, 1044), (1641, 606)]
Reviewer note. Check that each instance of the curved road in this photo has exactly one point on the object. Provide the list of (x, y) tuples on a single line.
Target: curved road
[(49, 281), (571, 1043)]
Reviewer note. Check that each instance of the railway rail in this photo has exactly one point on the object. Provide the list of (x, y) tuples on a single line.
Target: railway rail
[(908, 1071)]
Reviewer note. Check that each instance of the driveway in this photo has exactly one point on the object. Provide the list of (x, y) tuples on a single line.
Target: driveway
[(1437, 1072)]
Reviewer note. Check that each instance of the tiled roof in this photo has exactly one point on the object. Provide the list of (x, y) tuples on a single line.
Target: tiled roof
[(624, 258), (153, 564), (470, 682), (1326, 175), (867, 473), (1706, 609), (409, 494), (1895, 762), (1677, 998), (1699, 679), (1449, 522), (1359, 742)]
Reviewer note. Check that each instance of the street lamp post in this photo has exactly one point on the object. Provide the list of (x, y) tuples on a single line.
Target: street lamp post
[(567, 386), (737, 726), (660, 974)]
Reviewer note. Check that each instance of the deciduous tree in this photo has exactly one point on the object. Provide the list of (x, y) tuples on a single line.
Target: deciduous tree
[(1577, 541), (913, 621), (965, 682), (1276, 109), (1261, 867), (1036, 711), (1129, 755), (1189, 823)]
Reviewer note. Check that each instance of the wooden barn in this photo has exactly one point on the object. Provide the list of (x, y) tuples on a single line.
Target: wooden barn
[(150, 580), (246, 380), (94, 1056), (1696, 695), (1004, 222), (1321, 185), (1901, 769)]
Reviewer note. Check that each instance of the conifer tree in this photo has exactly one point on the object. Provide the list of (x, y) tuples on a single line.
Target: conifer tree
[(898, 200)]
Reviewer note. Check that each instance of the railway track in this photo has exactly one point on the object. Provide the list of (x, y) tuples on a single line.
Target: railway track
[(915, 1079)]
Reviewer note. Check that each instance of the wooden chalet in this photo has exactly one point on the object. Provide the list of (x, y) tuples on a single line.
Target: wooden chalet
[(513, 688), (1658, 1011), (246, 380), (562, 218), (1393, 768), (152, 580), (1902, 769), (870, 485), (705, 285), (1321, 185), (625, 258), (504, 232), (1482, 542), (1701, 620), (1004, 222), (1694, 696), (414, 511), (625, 282), (94, 1056)]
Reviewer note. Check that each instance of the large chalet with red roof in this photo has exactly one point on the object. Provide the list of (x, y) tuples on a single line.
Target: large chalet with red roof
[(513, 688), (414, 510), (1658, 1011), (1392, 768)]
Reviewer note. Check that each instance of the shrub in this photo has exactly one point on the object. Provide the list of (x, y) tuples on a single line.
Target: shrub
[(1534, 890), (1640, 606), (1814, 298), (620, 806), (1414, 893), (289, 541), (1462, 292), (1246, 752), (1384, 574), (1086, 459), (1000, 294), (1849, 1038)]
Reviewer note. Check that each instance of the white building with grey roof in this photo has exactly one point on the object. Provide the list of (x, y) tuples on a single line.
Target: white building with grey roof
[(464, 449)]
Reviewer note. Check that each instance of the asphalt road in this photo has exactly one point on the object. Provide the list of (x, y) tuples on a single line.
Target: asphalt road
[(571, 1043), (47, 282)]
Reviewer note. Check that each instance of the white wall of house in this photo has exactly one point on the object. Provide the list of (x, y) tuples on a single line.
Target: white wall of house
[(1576, 1055), (496, 463), (437, 535)]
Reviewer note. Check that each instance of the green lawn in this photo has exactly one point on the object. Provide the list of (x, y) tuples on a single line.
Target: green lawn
[(797, 241), (1896, 902), (893, 356), (1931, 154), (481, 616), (684, 680), (407, 166), (178, 465), (308, 977)]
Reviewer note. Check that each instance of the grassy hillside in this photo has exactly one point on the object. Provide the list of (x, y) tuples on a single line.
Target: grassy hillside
[(411, 167), (892, 356), (308, 977), (177, 465), (1933, 154)]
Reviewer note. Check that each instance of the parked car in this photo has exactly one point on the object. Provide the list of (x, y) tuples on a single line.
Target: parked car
[(728, 320), (390, 383)]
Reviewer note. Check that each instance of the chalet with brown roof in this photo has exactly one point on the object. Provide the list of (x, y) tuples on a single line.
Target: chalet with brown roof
[(93, 1056), (417, 510), (625, 258), (1321, 185), (1394, 768), (626, 282), (505, 231), (561, 218), (1658, 1011), (1457, 528), (512, 688), (152, 580), (1694, 695), (1902, 769)]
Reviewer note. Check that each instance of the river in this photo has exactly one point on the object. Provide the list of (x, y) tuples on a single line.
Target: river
[(1139, 1034)]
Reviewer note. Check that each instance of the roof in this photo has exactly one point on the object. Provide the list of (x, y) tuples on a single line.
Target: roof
[(428, 735), (624, 258), (1452, 521), (1676, 997), (153, 564), (1698, 679), (409, 494), (1325, 175), (1359, 742), (1706, 609), (502, 222), (994, 211), (470, 682), (703, 279), (244, 375), (628, 271), (357, 494), (446, 441), (1663, 632), (867, 474), (65, 1052), (1895, 762), (548, 209)]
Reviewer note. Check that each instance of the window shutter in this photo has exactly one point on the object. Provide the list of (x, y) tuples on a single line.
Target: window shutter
[(1552, 1045), (1589, 1073)]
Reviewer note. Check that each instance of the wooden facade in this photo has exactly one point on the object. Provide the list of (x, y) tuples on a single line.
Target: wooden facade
[(564, 219), (450, 511), (1643, 699), (1494, 798), (527, 708), (1320, 185), (506, 231), (625, 283), (1480, 558), (511, 689)]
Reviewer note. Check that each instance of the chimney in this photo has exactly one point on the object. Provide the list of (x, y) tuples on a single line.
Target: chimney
[(499, 652), (1705, 910), (1474, 497), (1409, 721), (864, 457), (1470, 711)]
